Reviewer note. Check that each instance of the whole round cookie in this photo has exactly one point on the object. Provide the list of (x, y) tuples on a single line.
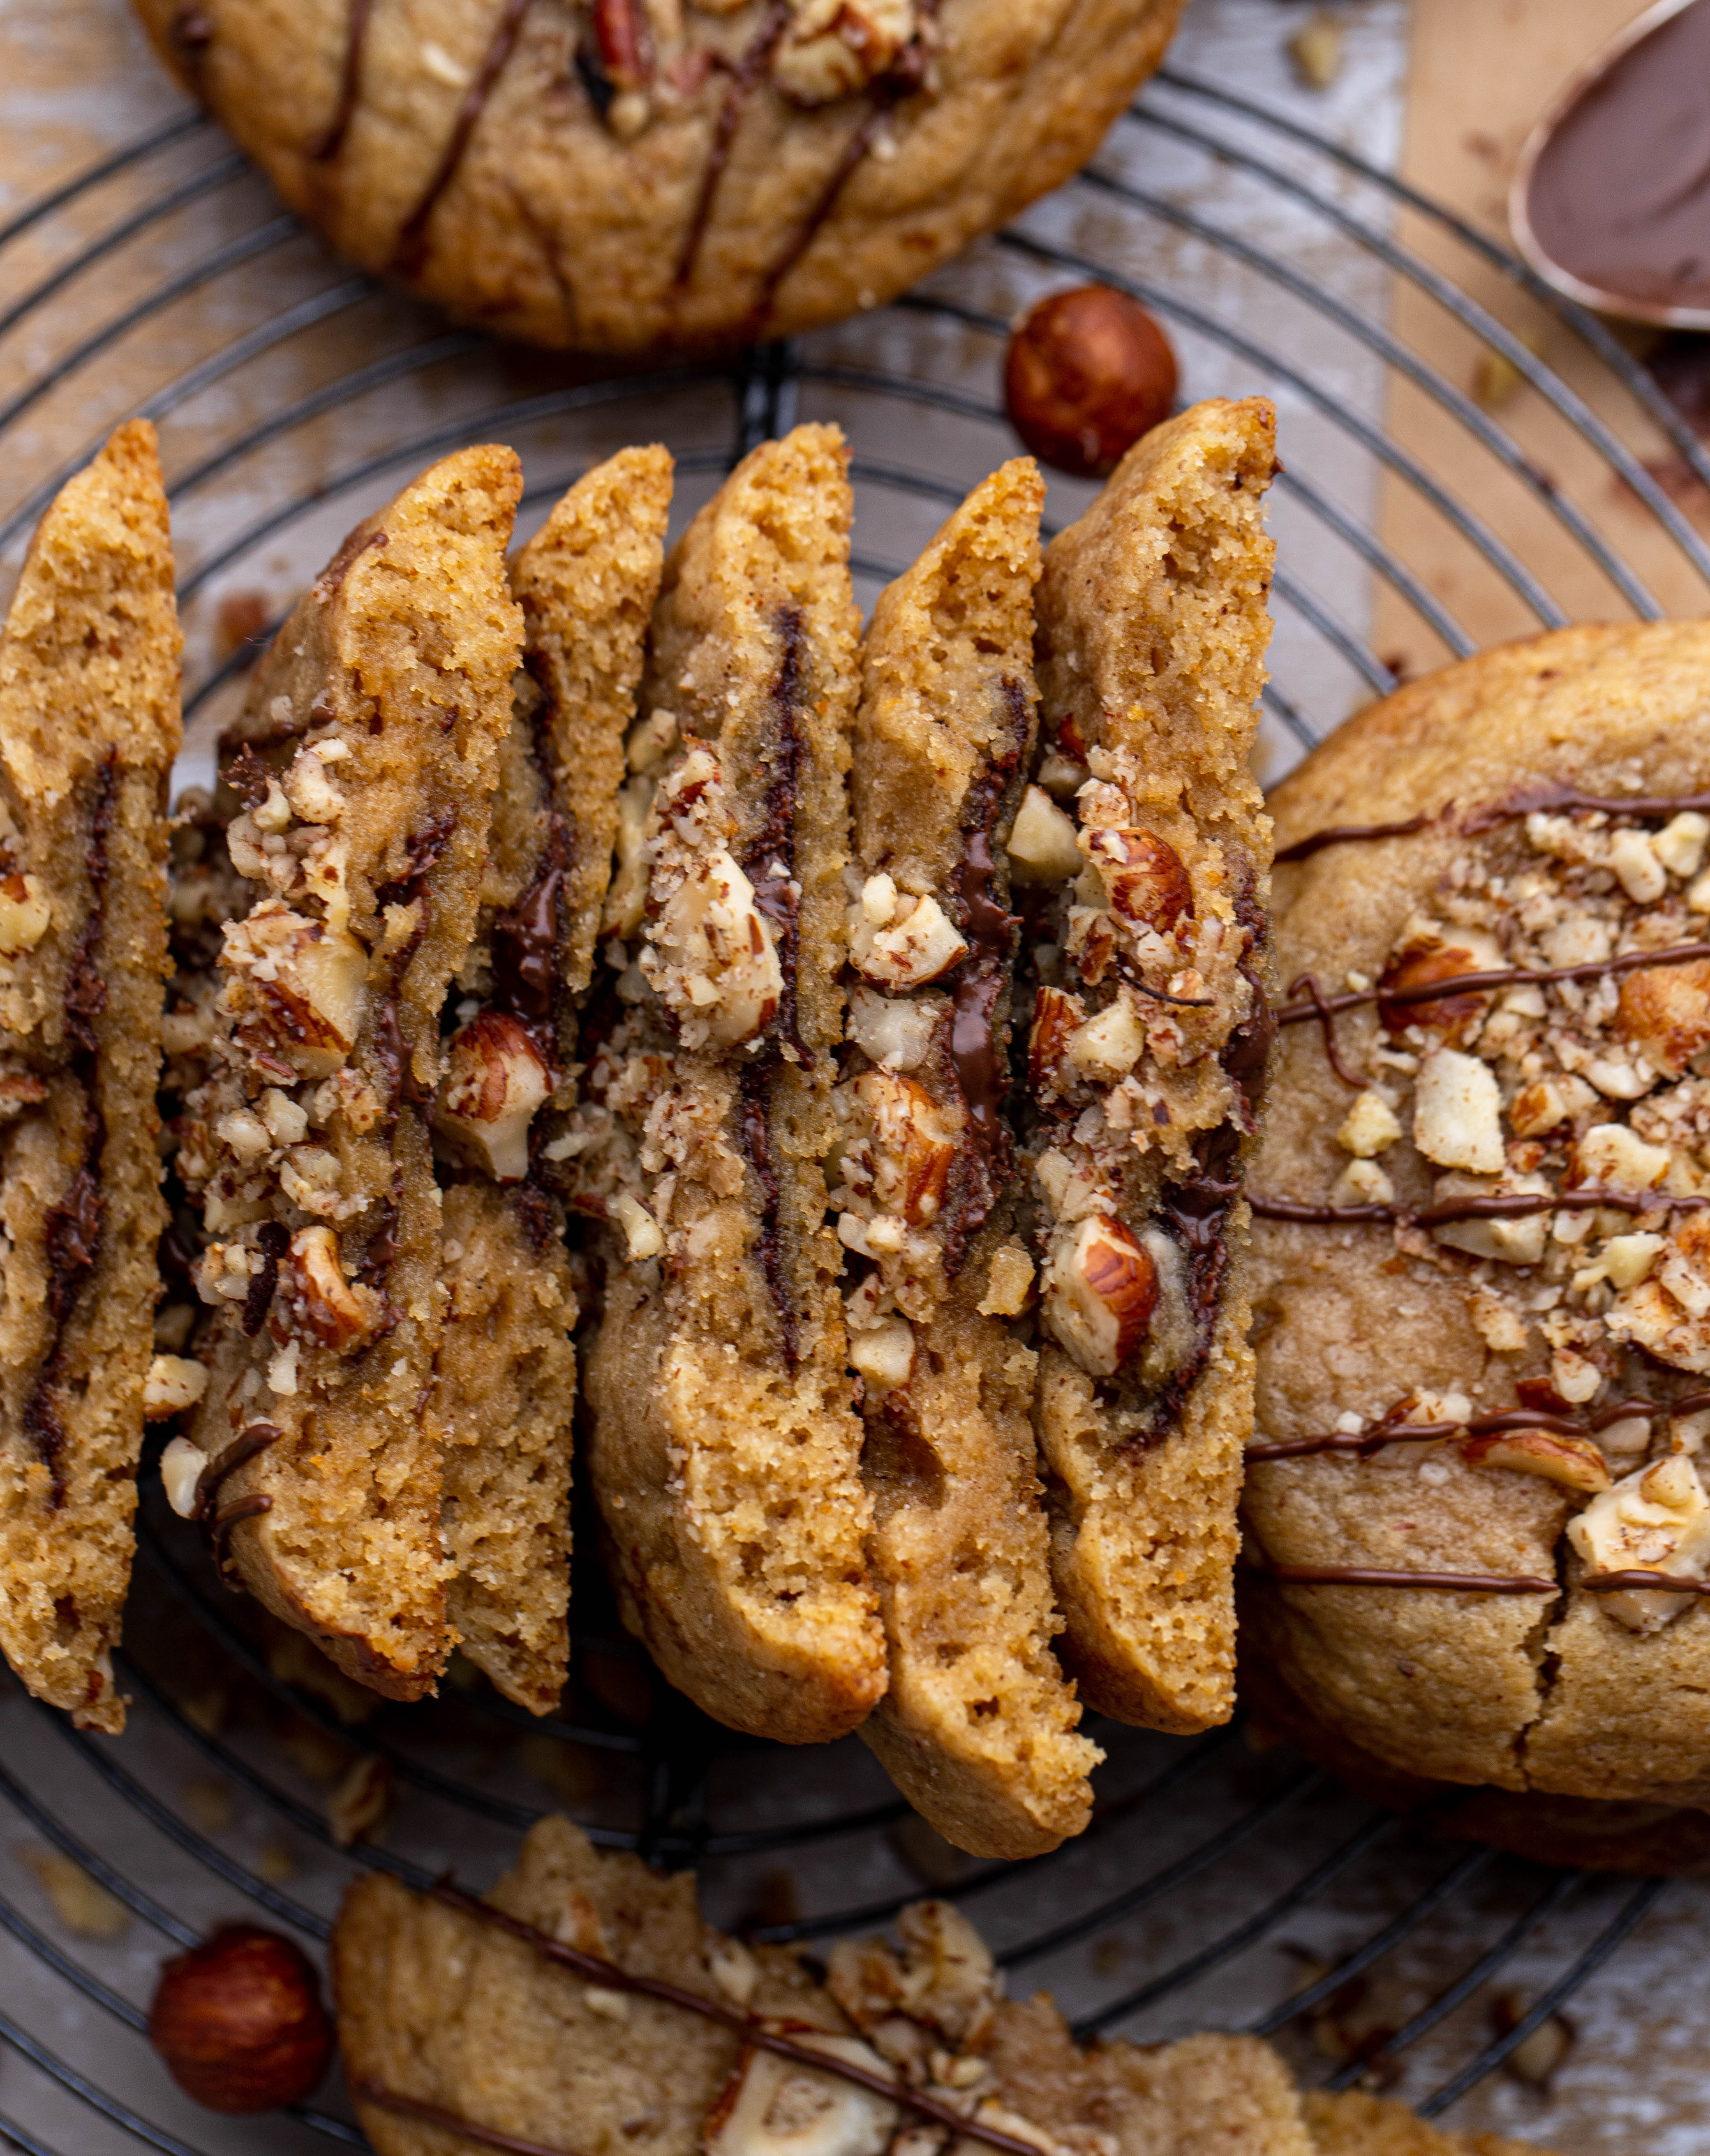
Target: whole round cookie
[(1482, 1225), (634, 174)]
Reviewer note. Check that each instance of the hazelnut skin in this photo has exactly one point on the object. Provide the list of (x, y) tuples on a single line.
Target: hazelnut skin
[(1088, 372), (239, 2021)]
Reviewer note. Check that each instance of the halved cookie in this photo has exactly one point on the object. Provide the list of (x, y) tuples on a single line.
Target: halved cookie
[(505, 1379), (726, 1448), (1149, 1036), (89, 727), (978, 1727), (366, 755)]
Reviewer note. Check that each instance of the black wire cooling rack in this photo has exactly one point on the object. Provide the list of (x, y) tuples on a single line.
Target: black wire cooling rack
[(1220, 1884)]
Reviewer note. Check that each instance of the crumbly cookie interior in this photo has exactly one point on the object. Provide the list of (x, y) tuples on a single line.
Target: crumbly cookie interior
[(89, 727)]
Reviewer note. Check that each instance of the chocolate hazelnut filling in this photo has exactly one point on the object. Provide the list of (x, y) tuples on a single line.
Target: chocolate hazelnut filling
[(71, 1229)]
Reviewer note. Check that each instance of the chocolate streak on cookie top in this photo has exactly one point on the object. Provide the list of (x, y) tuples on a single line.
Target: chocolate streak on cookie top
[(1318, 1006), (751, 1086), (1393, 1428), (71, 1228), (350, 90), (1347, 835), (1361, 1575), (904, 77), (217, 1520), (1488, 1205), (1547, 795), (612, 1976), (746, 72), (410, 251)]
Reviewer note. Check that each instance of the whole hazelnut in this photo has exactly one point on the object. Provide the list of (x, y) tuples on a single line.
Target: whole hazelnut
[(1088, 373), (239, 2023)]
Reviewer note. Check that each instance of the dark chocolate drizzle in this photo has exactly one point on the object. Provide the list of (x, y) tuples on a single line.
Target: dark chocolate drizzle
[(745, 73), (217, 1521), (410, 252), (752, 1087), (1492, 1205), (350, 87), (1347, 835), (1394, 1428), (612, 1976), (1196, 1212), (1320, 1007), (449, 2122), (1547, 795), (71, 1228), (1362, 1575)]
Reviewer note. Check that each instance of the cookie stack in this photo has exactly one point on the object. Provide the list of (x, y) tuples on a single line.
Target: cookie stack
[(650, 898)]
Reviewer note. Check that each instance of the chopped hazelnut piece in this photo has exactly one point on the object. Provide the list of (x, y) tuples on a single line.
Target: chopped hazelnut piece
[(1098, 1291), (643, 1237), (182, 1465), (776, 2106), (1008, 1283), (1457, 1113), (25, 914), (1679, 845), (496, 1079), (173, 1384), (1144, 877), (884, 1354), (1043, 847), (1656, 1519), (1371, 1127), (333, 1311), (1612, 1157), (1634, 860), (1573, 1462), (1363, 1182), (894, 1032), (1107, 1047), (916, 945), (1664, 1013)]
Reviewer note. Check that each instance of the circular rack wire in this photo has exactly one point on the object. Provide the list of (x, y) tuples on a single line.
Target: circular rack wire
[(1205, 1856)]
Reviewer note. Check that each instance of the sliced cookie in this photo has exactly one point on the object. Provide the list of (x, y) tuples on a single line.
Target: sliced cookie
[(1482, 1253), (367, 756), (1146, 897), (978, 1727), (89, 727), (504, 1384), (726, 1450), (587, 2003)]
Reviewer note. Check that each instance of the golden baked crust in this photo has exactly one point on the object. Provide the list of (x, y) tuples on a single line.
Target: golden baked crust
[(505, 1377), (1547, 1316), (89, 727), (643, 180), (371, 739), (1152, 630), (978, 1727), (724, 1449)]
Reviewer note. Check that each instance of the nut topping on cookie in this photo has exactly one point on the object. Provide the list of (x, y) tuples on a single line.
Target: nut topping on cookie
[(1664, 1013), (833, 48), (1656, 1519), (1574, 1462), (712, 954), (775, 2106)]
